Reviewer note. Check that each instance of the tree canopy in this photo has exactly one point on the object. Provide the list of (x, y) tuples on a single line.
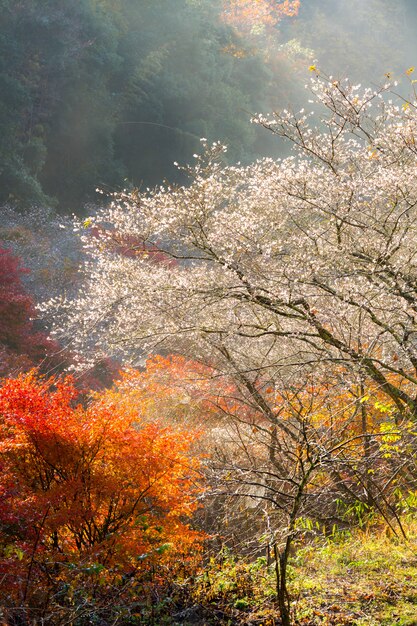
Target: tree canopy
[(280, 264), (91, 500), (91, 97)]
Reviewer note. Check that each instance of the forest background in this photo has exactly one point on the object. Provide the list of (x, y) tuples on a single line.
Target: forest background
[(105, 94)]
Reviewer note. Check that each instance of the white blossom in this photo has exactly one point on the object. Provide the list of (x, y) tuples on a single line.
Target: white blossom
[(308, 261)]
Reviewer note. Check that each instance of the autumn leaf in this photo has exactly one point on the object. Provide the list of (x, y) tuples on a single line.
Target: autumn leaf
[(89, 485)]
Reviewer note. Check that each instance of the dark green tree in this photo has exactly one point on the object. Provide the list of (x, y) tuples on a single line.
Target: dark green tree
[(96, 91), (57, 58)]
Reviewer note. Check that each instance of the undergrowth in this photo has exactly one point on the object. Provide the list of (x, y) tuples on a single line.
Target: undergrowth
[(360, 578)]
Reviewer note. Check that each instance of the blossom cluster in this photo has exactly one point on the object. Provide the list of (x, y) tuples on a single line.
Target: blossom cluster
[(278, 266)]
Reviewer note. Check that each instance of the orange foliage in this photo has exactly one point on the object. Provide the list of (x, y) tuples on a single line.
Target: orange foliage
[(86, 488), (339, 411), (179, 389), (245, 15), (183, 391)]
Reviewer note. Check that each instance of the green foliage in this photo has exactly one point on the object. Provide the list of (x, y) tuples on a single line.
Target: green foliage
[(56, 58), (364, 579), (167, 105), (356, 513), (349, 579), (236, 589), (93, 91), (109, 93)]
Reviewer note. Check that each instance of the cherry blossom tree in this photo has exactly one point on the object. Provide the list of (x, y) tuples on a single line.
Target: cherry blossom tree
[(281, 266), (285, 271)]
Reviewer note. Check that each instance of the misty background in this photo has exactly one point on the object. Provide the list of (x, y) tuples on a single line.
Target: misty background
[(109, 93)]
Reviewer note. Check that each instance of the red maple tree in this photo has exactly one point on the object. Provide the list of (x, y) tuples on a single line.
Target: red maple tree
[(88, 494), (21, 345)]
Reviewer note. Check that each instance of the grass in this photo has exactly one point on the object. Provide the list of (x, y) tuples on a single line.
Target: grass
[(364, 578)]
